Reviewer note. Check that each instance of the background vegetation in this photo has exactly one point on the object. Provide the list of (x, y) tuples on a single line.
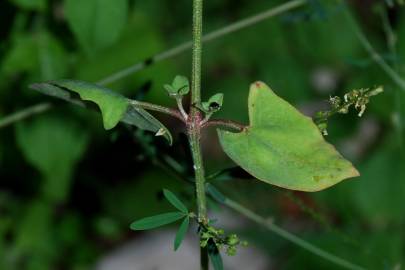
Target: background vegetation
[(69, 190)]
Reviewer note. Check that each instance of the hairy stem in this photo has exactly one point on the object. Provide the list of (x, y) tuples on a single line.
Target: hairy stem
[(194, 122), (224, 123), (157, 108)]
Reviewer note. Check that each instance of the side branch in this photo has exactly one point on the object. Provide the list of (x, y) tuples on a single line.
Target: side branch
[(224, 123), (157, 108)]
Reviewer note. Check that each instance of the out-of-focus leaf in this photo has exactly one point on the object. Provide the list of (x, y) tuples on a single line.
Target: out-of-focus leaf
[(41, 54), (52, 57), (21, 57), (215, 256), (34, 232), (175, 201), (38, 5), (381, 188), (181, 233), (156, 221), (283, 147), (53, 147), (96, 23), (114, 107)]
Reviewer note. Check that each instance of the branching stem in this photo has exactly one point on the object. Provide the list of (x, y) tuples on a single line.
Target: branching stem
[(224, 123), (157, 108), (181, 108)]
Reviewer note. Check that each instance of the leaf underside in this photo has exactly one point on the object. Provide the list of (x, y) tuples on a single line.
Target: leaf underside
[(114, 107), (283, 147)]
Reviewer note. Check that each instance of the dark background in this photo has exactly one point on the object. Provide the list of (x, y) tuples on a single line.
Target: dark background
[(69, 189)]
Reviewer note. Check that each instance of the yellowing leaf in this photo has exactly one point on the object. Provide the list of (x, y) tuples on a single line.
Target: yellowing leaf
[(283, 147)]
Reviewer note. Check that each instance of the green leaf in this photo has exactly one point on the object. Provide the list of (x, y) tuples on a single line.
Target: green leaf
[(181, 84), (282, 147), (215, 256), (179, 87), (175, 201), (214, 103), (96, 24), (53, 147), (39, 5), (41, 55), (114, 107), (156, 221), (181, 233)]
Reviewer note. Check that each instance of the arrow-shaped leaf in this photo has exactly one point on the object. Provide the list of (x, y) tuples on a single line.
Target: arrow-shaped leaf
[(114, 107), (283, 147)]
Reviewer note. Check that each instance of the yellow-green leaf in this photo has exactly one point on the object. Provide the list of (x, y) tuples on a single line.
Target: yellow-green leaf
[(283, 147)]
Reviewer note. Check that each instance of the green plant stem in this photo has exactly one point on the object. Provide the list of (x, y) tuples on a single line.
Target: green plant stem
[(224, 123), (157, 108), (268, 224), (20, 115), (194, 123)]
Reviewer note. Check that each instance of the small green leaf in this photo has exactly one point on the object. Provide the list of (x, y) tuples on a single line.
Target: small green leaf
[(213, 104), (175, 201), (179, 87), (282, 147), (114, 107), (156, 221), (181, 233), (215, 256)]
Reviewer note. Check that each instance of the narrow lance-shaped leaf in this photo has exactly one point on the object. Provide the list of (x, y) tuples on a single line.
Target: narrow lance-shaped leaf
[(283, 147), (175, 201), (181, 233), (215, 256), (156, 221), (114, 107)]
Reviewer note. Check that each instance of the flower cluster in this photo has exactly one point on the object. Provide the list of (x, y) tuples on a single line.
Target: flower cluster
[(209, 234), (358, 98)]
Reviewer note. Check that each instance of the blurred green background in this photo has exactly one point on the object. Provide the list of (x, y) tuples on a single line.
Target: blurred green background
[(69, 189)]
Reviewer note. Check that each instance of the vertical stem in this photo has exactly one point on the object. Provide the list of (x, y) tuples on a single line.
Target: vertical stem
[(194, 122), (197, 52)]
